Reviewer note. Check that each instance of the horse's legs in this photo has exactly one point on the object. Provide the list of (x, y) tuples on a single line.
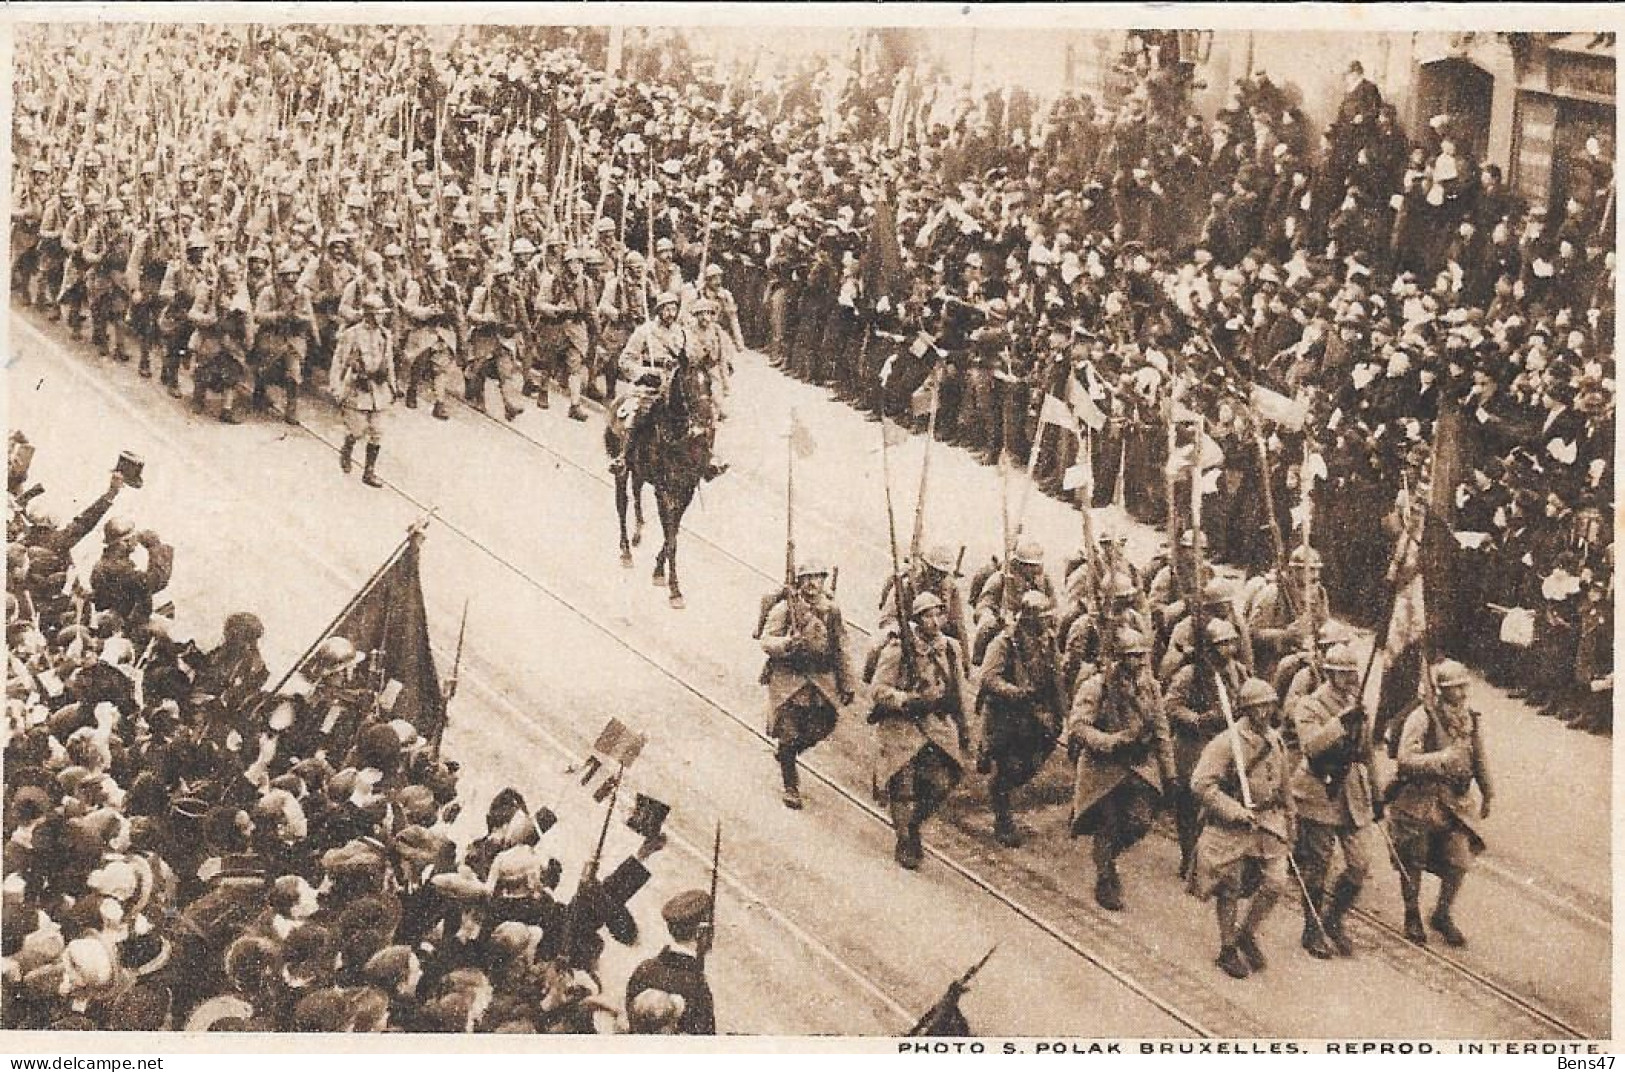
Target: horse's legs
[(637, 505), (659, 577), (620, 511), (671, 523)]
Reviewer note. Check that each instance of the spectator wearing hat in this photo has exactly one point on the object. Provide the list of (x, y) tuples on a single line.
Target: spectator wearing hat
[(679, 968)]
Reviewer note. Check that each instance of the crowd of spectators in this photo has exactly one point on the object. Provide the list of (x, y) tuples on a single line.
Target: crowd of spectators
[(187, 849)]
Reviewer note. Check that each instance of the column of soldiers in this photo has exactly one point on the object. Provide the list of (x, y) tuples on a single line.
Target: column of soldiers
[(1239, 712), (277, 304)]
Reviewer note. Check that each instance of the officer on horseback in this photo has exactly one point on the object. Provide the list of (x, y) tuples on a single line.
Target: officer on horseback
[(652, 356)]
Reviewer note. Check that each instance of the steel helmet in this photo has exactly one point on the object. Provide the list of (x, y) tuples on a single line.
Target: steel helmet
[(1306, 556), (925, 601), (1120, 586), (811, 567), (668, 298), (713, 271), (593, 257), (1219, 630), (1449, 673), (940, 557), (1029, 552), (1340, 657), (572, 254), (1132, 642), (1256, 693), (1192, 538), (336, 651), (705, 305), (1216, 592)]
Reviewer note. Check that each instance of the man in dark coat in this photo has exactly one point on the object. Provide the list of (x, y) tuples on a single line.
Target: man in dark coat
[(679, 968)]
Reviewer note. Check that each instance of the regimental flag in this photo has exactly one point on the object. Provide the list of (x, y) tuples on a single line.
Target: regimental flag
[(1406, 630), (389, 626)]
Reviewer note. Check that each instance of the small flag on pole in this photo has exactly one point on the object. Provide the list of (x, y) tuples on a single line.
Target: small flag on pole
[(1054, 411)]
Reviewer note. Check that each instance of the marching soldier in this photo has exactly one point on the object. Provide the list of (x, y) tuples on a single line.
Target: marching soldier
[(807, 675), (920, 722), (494, 318), (70, 295), (1021, 704), (727, 307), (364, 384), (1433, 817), (1196, 715), (1332, 794), (46, 283), (712, 351), (432, 311), (1083, 646), (575, 297), (1118, 737), (1218, 605), (1270, 622), (282, 324), (327, 277), (158, 247), (1242, 782), (1177, 578), (177, 299), (1026, 574), (936, 572), (1300, 672), (535, 281), (219, 321), (106, 254)]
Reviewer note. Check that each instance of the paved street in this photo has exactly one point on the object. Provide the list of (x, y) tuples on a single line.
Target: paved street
[(820, 932)]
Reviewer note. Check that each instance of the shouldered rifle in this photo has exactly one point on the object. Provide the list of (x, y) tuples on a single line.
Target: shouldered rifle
[(709, 941)]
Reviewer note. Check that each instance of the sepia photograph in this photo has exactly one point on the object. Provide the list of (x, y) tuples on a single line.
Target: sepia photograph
[(870, 525)]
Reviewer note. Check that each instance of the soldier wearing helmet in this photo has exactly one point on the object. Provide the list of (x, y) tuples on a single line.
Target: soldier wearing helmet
[(218, 317), (432, 306), (920, 722), (46, 282), (188, 272), (106, 254), (1281, 619), (334, 270), (1332, 793), (711, 350), (1196, 715), (1021, 705), (647, 362), (157, 247), (807, 675), (495, 317), (1242, 781), (665, 274), (1083, 647), (282, 323), (323, 703), (1173, 581), (1217, 604), (82, 218), (993, 603), (1299, 672), (935, 571), (1119, 740), (364, 384), (574, 302), (1434, 816)]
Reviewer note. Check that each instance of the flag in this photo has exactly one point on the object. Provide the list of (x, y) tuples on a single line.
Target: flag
[(616, 749), (1083, 404), (1054, 411), (1289, 413), (801, 439), (921, 401), (1406, 630), (389, 626)]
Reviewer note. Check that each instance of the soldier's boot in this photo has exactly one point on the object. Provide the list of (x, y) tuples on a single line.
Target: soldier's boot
[(1338, 903), (1108, 886), (346, 454), (1230, 958), (228, 407), (439, 411), (1004, 825), (369, 474), (258, 400), (791, 777), (1246, 939), (1411, 892), (144, 367), (1186, 827), (200, 398), (907, 851), (291, 414), (412, 392), (576, 412), (1441, 922), (474, 391), (1315, 938)]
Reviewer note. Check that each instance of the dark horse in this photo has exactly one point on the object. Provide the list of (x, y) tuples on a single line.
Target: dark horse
[(672, 453)]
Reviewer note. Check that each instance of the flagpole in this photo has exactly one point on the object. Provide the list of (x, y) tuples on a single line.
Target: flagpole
[(412, 536)]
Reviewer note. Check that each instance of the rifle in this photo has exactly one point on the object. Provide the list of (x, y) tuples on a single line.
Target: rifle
[(899, 582), (589, 873), (711, 922), (1286, 583), (457, 660), (946, 1011), (1235, 741)]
